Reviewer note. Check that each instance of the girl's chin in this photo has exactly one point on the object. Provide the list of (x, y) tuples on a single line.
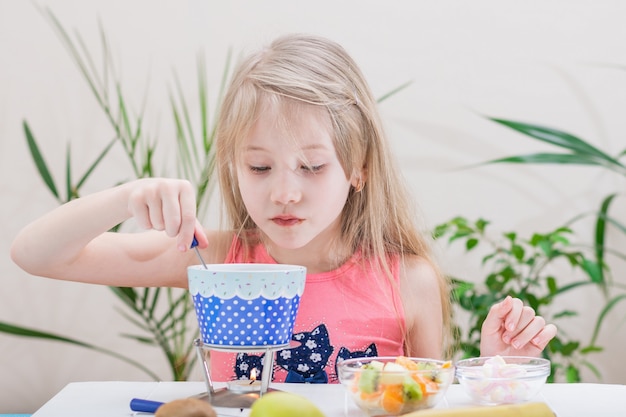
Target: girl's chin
[(292, 242), (284, 244), (295, 238)]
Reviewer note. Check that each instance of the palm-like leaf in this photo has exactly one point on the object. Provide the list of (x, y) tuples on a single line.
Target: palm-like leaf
[(40, 162), (38, 334), (577, 151)]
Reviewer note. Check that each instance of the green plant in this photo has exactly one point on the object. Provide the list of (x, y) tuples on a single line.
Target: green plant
[(595, 258), (161, 314), (525, 268), (575, 151)]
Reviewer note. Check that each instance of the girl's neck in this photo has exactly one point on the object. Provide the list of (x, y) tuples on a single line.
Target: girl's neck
[(317, 258)]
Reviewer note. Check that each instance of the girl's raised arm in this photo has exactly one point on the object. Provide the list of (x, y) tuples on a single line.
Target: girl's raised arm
[(72, 242)]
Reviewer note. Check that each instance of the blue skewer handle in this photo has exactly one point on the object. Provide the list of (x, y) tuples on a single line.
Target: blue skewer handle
[(194, 246), (144, 406)]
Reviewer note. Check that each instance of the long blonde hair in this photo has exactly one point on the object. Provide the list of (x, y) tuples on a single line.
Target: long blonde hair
[(379, 220)]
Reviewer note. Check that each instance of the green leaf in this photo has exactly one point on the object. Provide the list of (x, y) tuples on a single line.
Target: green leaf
[(440, 230), (593, 270), (555, 345), (38, 334), (394, 91), (93, 166), (471, 243), (459, 235), (42, 167), (565, 313), (600, 231), (607, 308), (552, 285), (572, 286), (518, 252), (546, 247), (68, 174), (569, 348), (558, 138), (548, 158), (128, 295), (572, 374), (141, 339), (591, 349)]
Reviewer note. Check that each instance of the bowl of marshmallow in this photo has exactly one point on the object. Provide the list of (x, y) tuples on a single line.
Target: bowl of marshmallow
[(502, 379)]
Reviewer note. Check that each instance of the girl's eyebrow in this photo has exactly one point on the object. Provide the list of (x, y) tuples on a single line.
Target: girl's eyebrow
[(313, 146)]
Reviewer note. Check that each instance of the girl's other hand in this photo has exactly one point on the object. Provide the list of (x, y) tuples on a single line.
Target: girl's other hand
[(167, 205), (512, 329)]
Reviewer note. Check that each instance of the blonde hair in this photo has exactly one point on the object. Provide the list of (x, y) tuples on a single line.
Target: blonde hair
[(379, 219)]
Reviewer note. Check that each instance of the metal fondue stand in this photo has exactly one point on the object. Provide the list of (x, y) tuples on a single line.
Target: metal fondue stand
[(226, 397)]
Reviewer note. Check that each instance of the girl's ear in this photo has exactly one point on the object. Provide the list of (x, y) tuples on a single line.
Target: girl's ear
[(358, 179)]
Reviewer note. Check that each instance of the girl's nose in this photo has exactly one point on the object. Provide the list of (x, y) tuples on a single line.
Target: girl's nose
[(286, 188)]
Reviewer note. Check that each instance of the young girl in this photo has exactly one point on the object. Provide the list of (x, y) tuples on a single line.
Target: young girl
[(307, 178)]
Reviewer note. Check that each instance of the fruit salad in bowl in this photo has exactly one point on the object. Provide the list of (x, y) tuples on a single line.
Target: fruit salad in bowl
[(395, 385)]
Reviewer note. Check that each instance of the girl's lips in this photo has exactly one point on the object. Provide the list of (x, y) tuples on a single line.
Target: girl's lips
[(286, 220)]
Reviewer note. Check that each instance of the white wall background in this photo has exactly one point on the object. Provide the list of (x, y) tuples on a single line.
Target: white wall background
[(538, 61)]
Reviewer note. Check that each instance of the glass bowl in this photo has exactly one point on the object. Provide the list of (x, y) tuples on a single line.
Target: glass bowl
[(395, 385), (502, 379)]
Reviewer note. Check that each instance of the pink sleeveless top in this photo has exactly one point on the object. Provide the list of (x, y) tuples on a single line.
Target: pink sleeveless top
[(352, 311)]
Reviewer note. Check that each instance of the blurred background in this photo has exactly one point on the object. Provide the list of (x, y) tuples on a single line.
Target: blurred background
[(556, 63)]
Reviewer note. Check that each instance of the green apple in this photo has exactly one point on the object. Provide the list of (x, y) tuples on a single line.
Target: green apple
[(284, 404)]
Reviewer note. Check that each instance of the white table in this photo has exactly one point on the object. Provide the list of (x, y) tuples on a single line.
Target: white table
[(112, 399)]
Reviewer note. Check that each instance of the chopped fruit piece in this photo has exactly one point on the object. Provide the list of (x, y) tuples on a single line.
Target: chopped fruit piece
[(369, 380), (393, 399)]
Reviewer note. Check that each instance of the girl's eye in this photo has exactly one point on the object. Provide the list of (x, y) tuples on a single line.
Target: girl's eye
[(312, 168), (259, 169)]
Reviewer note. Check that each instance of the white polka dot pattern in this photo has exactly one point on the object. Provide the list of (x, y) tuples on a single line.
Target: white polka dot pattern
[(240, 322)]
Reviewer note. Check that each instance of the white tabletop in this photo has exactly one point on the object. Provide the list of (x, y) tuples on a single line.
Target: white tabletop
[(112, 399)]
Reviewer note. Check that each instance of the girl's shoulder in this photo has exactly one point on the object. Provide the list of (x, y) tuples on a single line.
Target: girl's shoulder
[(416, 270)]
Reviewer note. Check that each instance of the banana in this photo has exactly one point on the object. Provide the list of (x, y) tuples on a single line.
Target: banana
[(535, 409)]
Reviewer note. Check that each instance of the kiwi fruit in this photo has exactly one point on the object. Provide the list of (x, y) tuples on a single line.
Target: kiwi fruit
[(188, 407)]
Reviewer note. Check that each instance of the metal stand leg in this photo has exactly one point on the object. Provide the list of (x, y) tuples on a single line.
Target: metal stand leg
[(224, 397), (266, 375), (205, 360)]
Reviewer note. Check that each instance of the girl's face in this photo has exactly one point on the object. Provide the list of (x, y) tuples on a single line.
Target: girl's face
[(291, 181)]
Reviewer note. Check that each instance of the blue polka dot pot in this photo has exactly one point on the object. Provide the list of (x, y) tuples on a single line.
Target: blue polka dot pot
[(246, 304)]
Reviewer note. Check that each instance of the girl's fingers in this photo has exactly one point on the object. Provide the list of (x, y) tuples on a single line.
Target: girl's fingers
[(512, 320), (188, 222), (542, 338), (139, 211), (528, 333), (525, 318), (496, 316), (511, 325), (174, 201), (201, 236), (170, 206), (155, 209)]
